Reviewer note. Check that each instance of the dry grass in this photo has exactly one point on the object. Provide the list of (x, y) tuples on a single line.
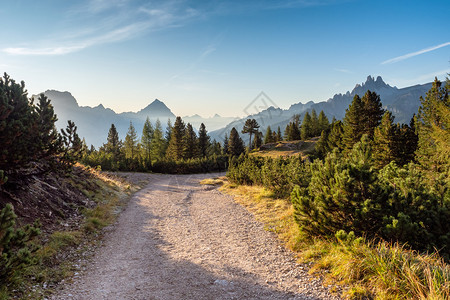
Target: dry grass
[(276, 214), (367, 270)]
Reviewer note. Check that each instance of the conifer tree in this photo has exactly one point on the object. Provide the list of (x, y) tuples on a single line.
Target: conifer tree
[(49, 141), (113, 144), (372, 112), (257, 141), (433, 123), (268, 137), (235, 143), (250, 127), (336, 135), (279, 135), (146, 141), (158, 142), (16, 125), (384, 141), (315, 130), (323, 122), (352, 124), (131, 143), (190, 149), (306, 130), (215, 148), (203, 141), (225, 145), (175, 150), (168, 135), (72, 144)]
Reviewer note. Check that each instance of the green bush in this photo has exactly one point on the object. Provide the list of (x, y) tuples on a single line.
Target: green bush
[(347, 193), (15, 248)]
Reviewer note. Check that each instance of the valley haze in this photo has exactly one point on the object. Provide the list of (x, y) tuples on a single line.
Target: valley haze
[(94, 122)]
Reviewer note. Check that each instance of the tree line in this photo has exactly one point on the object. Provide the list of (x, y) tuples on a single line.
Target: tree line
[(370, 176)]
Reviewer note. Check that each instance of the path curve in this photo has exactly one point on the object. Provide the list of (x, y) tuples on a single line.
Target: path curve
[(178, 239)]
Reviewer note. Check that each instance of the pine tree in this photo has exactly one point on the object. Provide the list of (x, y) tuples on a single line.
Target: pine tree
[(268, 137), (257, 141), (113, 144), (168, 135), (146, 141), (72, 144), (315, 130), (176, 144), (250, 127), (131, 143), (158, 144), (433, 123), (17, 121), (352, 124), (384, 141), (190, 149), (215, 148), (235, 143), (49, 141), (323, 122), (306, 130), (372, 112), (336, 135), (203, 141), (225, 145), (279, 135)]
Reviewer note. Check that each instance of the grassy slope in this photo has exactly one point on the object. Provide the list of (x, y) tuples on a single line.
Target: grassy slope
[(287, 148), (66, 242), (365, 269)]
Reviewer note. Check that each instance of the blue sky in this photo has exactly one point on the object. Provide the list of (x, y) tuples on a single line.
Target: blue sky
[(211, 57)]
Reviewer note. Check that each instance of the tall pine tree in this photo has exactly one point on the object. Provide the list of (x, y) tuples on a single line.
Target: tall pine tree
[(203, 141), (175, 150)]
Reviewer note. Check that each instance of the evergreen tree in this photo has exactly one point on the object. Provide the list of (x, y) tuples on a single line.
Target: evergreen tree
[(191, 149), (16, 125), (113, 144), (323, 122), (158, 142), (384, 141), (352, 124), (433, 123), (315, 130), (306, 130), (146, 141), (235, 143), (131, 143), (250, 127), (321, 148), (257, 141), (49, 141), (203, 141), (215, 148), (225, 145), (372, 113), (168, 135), (336, 135), (279, 135), (176, 144), (72, 144), (268, 137)]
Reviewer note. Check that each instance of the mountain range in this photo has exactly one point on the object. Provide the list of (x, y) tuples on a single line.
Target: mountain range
[(94, 122), (403, 103)]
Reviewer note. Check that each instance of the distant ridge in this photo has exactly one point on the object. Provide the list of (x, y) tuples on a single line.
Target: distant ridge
[(403, 103)]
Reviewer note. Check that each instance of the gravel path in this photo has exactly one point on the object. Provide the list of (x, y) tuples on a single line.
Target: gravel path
[(178, 239)]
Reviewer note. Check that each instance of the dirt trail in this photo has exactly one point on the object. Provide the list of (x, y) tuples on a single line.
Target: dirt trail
[(180, 240)]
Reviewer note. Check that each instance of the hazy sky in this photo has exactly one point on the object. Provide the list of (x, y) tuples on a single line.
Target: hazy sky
[(211, 57)]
